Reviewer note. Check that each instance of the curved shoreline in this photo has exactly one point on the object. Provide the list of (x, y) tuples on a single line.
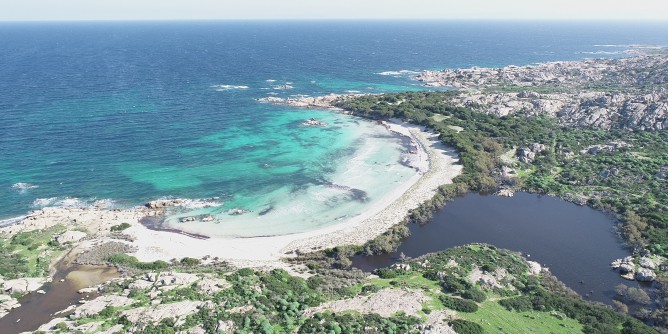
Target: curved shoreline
[(436, 165), (440, 169), (439, 163)]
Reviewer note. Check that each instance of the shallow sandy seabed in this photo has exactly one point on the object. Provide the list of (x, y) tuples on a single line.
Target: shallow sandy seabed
[(436, 165)]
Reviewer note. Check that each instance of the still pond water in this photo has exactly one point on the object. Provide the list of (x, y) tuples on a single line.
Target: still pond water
[(577, 243)]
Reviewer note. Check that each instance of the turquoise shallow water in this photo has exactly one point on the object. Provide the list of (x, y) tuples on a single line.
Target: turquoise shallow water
[(355, 166), (133, 112)]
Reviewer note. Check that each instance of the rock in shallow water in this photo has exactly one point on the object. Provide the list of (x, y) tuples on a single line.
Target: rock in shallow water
[(645, 275)]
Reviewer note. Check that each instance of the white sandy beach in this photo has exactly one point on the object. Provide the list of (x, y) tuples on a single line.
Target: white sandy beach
[(436, 165)]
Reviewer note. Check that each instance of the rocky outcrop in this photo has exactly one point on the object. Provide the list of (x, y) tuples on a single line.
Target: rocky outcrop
[(621, 72), (164, 203), (324, 102), (225, 326), (528, 154), (386, 303), (635, 96), (23, 285), (610, 147), (490, 280), (647, 262), (624, 265), (96, 305), (662, 174), (153, 314), (505, 192), (401, 266), (211, 285), (437, 323), (7, 303), (534, 268), (627, 268), (645, 275), (313, 122), (169, 278), (635, 111)]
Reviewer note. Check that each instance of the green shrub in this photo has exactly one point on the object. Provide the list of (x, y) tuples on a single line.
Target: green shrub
[(120, 227), (453, 284), (462, 326), (107, 312), (245, 272), (190, 262), (155, 265), (474, 294), (122, 259), (521, 304), (367, 289), (457, 304), (61, 326), (386, 273)]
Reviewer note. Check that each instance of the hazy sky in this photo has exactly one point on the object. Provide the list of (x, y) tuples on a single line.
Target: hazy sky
[(332, 9)]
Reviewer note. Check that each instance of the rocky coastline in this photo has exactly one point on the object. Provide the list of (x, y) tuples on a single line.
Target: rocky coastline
[(627, 93)]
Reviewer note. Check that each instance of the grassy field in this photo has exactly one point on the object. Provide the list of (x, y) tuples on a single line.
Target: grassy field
[(494, 318)]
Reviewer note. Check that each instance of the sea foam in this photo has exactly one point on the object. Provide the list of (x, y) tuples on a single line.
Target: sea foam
[(23, 187), (11, 221), (398, 73), (73, 202), (608, 52), (222, 88)]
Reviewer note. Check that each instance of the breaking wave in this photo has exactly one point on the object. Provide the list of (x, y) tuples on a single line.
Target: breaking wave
[(23, 187), (222, 88), (398, 73)]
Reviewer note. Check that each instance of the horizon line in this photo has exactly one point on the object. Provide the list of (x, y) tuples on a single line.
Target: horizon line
[(629, 20)]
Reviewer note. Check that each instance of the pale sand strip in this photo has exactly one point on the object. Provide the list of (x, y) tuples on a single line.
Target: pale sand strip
[(439, 162)]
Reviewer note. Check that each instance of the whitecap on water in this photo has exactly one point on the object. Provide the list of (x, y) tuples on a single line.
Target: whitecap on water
[(43, 202), (607, 52), (399, 73), (200, 203), (222, 88), (635, 46), (23, 187), (72, 202), (66, 202)]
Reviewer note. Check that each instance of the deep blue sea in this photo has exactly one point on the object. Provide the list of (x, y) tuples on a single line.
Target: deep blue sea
[(137, 111)]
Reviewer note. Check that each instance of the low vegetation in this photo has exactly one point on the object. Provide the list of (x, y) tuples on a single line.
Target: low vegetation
[(29, 254), (618, 171), (252, 301)]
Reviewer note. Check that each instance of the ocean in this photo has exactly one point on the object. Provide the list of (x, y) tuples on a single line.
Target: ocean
[(128, 112)]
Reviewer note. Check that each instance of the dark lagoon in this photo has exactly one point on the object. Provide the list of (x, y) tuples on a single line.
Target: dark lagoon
[(577, 243)]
